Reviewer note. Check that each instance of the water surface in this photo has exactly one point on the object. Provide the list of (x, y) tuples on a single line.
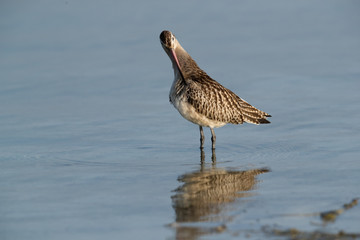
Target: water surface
[(90, 147)]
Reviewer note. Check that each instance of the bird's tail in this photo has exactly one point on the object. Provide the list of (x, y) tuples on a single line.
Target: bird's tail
[(253, 115)]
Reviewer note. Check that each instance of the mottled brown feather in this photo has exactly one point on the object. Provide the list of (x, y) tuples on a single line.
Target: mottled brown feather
[(216, 102), (207, 96)]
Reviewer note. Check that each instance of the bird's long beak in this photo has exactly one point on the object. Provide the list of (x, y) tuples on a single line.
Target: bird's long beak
[(176, 62), (174, 58)]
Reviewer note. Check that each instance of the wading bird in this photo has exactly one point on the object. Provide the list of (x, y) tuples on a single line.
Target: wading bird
[(202, 100)]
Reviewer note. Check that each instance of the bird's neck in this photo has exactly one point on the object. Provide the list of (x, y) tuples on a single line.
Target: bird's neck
[(187, 64)]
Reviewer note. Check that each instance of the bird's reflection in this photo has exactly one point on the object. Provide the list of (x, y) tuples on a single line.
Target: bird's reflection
[(205, 196)]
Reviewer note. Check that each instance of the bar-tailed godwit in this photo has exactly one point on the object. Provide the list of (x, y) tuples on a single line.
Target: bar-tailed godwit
[(202, 100)]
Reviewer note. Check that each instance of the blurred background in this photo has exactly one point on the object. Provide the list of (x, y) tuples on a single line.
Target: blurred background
[(91, 148)]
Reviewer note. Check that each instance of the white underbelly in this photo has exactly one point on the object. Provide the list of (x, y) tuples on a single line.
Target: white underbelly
[(189, 113)]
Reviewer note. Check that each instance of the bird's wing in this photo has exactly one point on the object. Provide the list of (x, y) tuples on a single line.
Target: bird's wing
[(218, 103)]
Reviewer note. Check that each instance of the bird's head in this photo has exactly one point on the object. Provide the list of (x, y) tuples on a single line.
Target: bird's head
[(168, 40), (169, 43)]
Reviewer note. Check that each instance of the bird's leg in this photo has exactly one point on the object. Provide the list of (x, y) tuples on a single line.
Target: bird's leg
[(213, 138), (202, 137), (213, 157), (202, 157)]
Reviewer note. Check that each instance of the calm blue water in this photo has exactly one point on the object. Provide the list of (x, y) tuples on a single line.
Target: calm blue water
[(90, 147)]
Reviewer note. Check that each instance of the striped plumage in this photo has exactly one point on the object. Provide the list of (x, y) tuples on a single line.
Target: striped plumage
[(202, 100)]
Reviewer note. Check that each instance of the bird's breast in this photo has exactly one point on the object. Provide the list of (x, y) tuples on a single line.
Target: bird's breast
[(180, 101)]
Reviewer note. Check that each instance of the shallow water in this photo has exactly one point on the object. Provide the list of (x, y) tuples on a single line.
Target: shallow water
[(91, 148)]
